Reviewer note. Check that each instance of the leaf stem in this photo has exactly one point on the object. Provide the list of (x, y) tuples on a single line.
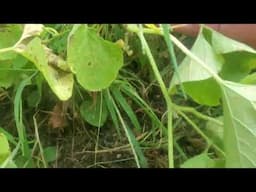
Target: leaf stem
[(196, 113), (197, 129), (165, 28)]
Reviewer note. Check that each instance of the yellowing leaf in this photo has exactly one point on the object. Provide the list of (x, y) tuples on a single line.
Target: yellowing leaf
[(61, 82)]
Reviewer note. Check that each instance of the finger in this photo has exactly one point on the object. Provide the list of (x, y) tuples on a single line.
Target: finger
[(192, 29)]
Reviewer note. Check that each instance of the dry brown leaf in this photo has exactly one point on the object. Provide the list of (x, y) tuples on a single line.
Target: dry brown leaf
[(57, 119)]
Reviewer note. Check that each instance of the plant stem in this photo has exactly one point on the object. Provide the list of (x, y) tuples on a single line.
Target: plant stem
[(165, 94), (209, 142), (196, 113), (6, 49), (38, 141), (165, 28)]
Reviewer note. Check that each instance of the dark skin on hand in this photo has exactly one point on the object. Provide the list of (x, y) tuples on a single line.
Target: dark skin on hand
[(245, 33)]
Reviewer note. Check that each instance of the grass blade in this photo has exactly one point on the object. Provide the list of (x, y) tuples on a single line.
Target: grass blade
[(138, 154), (129, 91), (18, 115), (112, 112), (128, 110)]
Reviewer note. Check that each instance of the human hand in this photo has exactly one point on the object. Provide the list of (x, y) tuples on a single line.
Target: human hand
[(245, 33)]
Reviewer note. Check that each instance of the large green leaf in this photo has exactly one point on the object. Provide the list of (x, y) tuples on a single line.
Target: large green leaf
[(190, 70), (60, 81), (239, 124), (4, 148), (95, 61), (197, 81), (232, 59)]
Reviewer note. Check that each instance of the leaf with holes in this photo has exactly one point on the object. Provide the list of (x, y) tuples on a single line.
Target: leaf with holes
[(95, 61), (239, 102)]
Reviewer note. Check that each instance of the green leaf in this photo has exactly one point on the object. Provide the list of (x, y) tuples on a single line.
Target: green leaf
[(8, 135), (4, 148), (190, 70), (59, 43), (199, 161), (232, 59), (50, 154), (95, 61), (205, 92), (249, 79), (10, 34), (237, 65), (94, 111), (61, 82), (239, 102), (16, 36), (126, 107), (7, 75), (197, 81), (239, 59), (10, 72)]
